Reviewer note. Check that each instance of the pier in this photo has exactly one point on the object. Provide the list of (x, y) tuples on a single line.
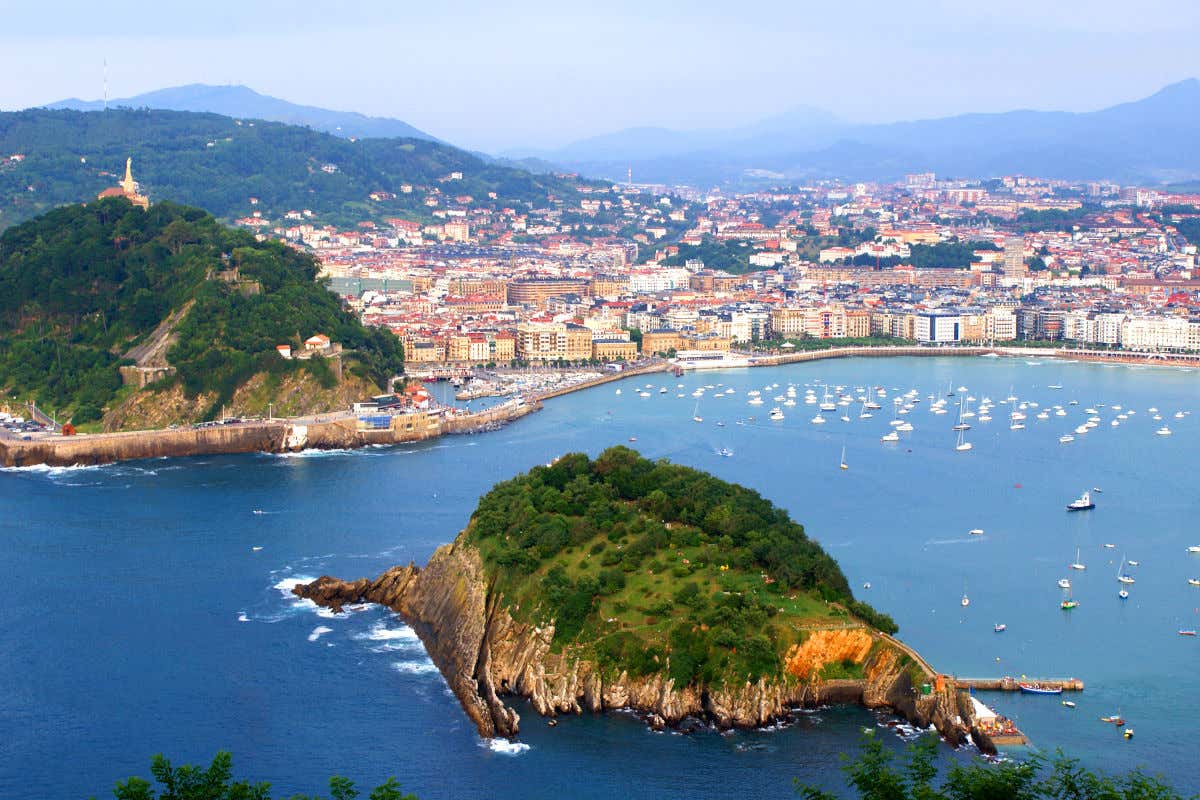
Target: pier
[(1009, 684)]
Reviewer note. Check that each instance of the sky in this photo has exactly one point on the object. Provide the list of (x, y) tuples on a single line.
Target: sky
[(500, 76)]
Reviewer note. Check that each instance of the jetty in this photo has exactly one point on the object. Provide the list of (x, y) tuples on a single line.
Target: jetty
[(1010, 684)]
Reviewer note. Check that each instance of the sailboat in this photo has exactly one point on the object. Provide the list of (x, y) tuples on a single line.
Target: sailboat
[(1077, 565), (1121, 576), (843, 463), (962, 425), (962, 445), (696, 413)]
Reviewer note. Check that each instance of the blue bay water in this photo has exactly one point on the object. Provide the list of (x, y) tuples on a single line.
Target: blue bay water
[(140, 619)]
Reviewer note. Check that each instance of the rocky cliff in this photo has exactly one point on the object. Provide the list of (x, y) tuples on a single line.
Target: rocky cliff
[(485, 654)]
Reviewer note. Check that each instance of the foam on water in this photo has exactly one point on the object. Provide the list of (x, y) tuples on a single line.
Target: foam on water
[(504, 747), (284, 587), (318, 631), (390, 638), (243, 617), (426, 667)]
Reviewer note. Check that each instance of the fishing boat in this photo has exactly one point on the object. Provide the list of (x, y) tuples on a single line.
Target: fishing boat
[(999, 627), (1079, 565), (1037, 688), (843, 463), (1069, 703), (1084, 503)]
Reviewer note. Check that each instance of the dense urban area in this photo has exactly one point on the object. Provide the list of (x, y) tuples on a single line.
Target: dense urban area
[(638, 269)]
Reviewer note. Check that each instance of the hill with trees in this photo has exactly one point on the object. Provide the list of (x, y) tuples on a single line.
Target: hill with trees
[(219, 163), (646, 566), (83, 289)]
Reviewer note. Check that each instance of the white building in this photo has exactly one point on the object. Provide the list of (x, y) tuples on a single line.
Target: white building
[(934, 327)]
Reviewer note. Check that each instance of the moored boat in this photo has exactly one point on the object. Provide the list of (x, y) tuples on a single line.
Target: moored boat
[(1037, 688)]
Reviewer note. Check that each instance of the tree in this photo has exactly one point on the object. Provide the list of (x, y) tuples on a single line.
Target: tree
[(193, 782)]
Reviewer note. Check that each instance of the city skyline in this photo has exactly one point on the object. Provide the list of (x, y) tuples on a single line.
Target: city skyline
[(540, 76)]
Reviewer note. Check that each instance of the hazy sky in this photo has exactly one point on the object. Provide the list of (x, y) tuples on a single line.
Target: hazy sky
[(495, 75)]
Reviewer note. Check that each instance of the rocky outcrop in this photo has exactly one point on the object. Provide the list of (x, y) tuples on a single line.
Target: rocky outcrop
[(485, 654)]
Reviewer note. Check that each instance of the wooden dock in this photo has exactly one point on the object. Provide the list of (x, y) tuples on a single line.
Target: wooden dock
[(1009, 684)]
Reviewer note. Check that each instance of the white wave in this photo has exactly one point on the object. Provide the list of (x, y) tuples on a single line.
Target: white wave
[(284, 587), (415, 667), (46, 469), (318, 631), (242, 617), (316, 453), (401, 638), (505, 747)]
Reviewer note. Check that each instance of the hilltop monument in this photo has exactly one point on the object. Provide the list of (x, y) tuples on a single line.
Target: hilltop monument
[(127, 188)]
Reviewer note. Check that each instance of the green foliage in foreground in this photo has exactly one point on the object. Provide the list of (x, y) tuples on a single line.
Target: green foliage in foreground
[(876, 775), (645, 564), (194, 782), (81, 284)]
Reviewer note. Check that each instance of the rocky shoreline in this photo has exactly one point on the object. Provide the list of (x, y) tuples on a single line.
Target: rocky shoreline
[(486, 655)]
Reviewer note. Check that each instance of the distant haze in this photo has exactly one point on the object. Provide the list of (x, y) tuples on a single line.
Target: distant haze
[(538, 75)]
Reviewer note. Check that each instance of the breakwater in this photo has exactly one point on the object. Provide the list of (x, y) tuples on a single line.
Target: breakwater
[(325, 432)]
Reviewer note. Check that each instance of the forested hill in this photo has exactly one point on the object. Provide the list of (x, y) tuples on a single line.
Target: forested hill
[(219, 163), (82, 285)]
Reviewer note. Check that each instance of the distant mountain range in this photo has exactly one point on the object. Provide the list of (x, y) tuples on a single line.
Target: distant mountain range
[(1150, 140), (242, 102)]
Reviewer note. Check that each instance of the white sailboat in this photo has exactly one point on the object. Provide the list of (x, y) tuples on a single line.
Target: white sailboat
[(843, 464), (696, 413), (962, 445), (1078, 564), (1121, 576)]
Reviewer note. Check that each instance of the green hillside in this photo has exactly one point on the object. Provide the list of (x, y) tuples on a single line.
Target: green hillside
[(643, 564), (81, 285), (219, 163)]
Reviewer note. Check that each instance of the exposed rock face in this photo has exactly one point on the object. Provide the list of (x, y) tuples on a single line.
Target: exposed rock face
[(485, 654)]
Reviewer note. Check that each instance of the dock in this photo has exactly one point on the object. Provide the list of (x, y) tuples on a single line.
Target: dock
[(1010, 684)]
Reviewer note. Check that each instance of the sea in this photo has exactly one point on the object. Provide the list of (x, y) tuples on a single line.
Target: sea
[(147, 608)]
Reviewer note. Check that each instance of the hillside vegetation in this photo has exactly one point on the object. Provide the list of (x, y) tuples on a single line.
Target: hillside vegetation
[(648, 566), (219, 163), (81, 285)]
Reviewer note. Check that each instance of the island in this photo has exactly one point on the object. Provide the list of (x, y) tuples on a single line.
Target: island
[(624, 583)]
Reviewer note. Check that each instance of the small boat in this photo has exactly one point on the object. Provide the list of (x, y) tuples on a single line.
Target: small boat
[(1132, 563), (1127, 733), (662, 390), (1186, 632), (867, 585), (618, 391), (1121, 576), (1115, 719), (966, 601), (843, 463), (775, 414), (1037, 688), (1108, 546), (1194, 548), (1066, 438), (725, 452), (1163, 431), (1064, 583), (976, 531), (256, 548), (1069, 703), (720, 424), (633, 438), (890, 436), (1084, 503), (1194, 581), (817, 420), (1123, 594), (1079, 565), (258, 512), (643, 394), (696, 413), (999, 627)]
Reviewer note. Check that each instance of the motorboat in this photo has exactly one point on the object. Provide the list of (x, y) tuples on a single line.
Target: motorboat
[(1084, 503), (1037, 688)]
